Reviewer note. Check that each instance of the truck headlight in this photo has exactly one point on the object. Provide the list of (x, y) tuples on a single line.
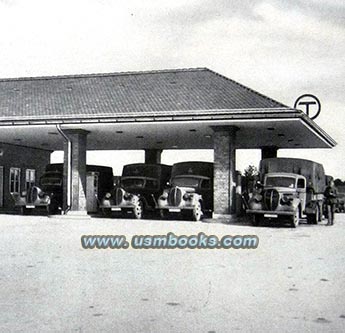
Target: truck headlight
[(164, 196), (286, 199), (257, 197), (108, 195), (23, 194), (128, 196), (187, 196)]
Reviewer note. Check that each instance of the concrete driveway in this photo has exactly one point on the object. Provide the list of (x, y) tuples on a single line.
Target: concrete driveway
[(293, 282)]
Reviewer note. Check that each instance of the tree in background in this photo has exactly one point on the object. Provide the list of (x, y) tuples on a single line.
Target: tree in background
[(250, 177), (339, 182)]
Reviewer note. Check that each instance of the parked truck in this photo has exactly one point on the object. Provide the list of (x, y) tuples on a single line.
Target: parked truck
[(190, 191), (48, 194), (138, 191), (290, 188)]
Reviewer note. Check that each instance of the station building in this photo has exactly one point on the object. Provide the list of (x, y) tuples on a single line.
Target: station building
[(152, 111)]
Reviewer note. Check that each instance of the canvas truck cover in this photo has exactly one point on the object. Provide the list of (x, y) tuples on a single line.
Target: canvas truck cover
[(58, 167), (105, 174), (193, 168), (146, 170), (312, 171)]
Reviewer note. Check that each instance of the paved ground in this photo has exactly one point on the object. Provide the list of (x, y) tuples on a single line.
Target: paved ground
[(294, 281)]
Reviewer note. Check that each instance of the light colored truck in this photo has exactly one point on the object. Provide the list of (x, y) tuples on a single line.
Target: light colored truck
[(291, 188), (190, 191)]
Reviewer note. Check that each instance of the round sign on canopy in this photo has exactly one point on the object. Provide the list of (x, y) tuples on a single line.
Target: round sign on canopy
[(310, 104)]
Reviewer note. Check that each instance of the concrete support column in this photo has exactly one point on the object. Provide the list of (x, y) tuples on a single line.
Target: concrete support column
[(153, 156), (75, 170), (269, 152), (224, 170)]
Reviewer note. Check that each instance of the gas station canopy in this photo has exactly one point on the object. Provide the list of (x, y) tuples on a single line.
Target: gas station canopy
[(168, 109)]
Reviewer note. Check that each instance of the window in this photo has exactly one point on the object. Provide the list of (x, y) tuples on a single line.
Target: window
[(280, 181), (30, 178), (14, 180), (186, 181), (300, 183)]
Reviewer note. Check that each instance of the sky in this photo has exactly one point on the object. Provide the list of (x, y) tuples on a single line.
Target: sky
[(281, 48)]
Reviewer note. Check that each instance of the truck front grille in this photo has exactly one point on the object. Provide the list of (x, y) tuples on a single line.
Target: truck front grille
[(118, 196), (31, 195), (271, 199), (175, 196)]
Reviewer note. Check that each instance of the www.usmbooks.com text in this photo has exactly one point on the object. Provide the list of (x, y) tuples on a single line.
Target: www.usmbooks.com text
[(170, 241)]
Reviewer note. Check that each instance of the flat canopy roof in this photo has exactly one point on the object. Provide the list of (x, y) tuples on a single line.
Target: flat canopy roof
[(149, 110)]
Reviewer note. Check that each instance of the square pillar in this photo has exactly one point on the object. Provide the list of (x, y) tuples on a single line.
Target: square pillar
[(153, 156), (224, 170), (75, 171)]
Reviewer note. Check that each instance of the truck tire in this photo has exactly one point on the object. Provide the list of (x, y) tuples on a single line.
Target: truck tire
[(256, 220), (163, 214), (314, 218), (197, 212), (320, 212), (311, 219), (295, 220), (53, 208), (138, 210), (106, 212), (23, 210)]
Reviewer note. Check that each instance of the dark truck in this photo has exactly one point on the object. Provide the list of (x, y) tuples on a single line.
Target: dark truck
[(290, 187), (48, 194), (140, 186), (190, 192)]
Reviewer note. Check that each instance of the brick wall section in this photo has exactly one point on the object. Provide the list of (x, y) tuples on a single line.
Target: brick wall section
[(153, 156), (269, 152), (224, 170), (17, 156), (78, 169)]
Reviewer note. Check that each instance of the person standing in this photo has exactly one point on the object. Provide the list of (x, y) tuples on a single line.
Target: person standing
[(331, 201)]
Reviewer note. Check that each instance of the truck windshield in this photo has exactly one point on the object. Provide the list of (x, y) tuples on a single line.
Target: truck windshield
[(186, 181), (51, 181), (281, 181)]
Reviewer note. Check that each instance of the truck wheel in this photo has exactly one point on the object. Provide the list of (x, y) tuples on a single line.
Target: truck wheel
[(125, 212), (317, 214), (256, 220), (319, 218), (138, 210), (106, 212), (23, 210), (53, 208), (197, 212), (313, 218), (163, 214), (295, 220)]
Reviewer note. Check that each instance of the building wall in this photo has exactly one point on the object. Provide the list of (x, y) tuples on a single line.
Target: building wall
[(16, 156)]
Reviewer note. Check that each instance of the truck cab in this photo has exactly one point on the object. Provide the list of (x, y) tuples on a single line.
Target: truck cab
[(190, 192), (283, 194), (138, 190)]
